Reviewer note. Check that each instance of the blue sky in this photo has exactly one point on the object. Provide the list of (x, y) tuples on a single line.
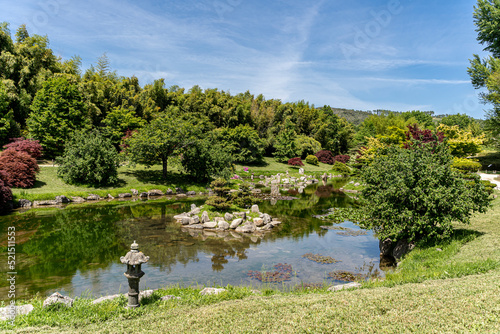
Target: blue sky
[(359, 54)]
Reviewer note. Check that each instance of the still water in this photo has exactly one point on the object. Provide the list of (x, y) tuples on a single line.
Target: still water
[(77, 249)]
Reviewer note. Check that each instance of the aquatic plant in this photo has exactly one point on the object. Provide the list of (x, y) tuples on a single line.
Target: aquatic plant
[(282, 272), (345, 231), (345, 276), (320, 258)]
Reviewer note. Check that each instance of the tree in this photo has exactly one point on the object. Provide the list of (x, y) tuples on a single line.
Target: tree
[(20, 168), (307, 146), (167, 134), (56, 112), (284, 145), (462, 143), (89, 158), (242, 142), (414, 193), (32, 147)]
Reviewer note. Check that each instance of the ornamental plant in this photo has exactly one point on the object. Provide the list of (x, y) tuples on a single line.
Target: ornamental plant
[(5, 193), (341, 169), (325, 157), (30, 146), (312, 160), (342, 158), (295, 162), (20, 168)]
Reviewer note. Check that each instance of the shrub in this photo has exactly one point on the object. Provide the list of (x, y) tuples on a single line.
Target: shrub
[(5, 193), (342, 158), (312, 160), (20, 168), (206, 158), (90, 159), (306, 145), (295, 162), (341, 168), (466, 165), (220, 199), (32, 147), (325, 157)]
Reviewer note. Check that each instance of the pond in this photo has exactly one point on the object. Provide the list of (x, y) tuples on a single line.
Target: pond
[(76, 249)]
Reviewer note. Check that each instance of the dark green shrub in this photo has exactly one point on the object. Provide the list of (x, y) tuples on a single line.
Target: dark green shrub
[(206, 158), (90, 159), (312, 160), (340, 168)]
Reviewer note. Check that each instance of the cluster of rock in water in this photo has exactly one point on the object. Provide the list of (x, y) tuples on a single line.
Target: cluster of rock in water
[(134, 193), (238, 222)]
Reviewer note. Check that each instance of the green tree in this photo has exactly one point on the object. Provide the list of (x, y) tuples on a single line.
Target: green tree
[(56, 112), (242, 142), (415, 194), (169, 133), (89, 158), (307, 146), (284, 145)]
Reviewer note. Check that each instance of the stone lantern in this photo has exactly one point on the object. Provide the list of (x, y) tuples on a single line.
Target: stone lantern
[(133, 260)]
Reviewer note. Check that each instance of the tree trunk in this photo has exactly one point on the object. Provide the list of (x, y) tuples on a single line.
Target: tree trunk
[(164, 161)]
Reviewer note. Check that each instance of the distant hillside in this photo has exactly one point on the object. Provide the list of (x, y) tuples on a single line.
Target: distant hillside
[(355, 117)]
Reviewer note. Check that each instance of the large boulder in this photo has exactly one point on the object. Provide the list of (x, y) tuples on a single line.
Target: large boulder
[(210, 225), (93, 197), (62, 199), (24, 203), (266, 218), (247, 228), (134, 192), (228, 217), (204, 217), (402, 247), (235, 223), (255, 208), (155, 192), (385, 247), (124, 195), (194, 220), (191, 193), (223, 225), (258, 222), (44, 203), (57, 299)]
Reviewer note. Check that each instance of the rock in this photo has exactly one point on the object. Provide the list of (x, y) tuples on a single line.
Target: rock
[(195, 211), (62, 199), (8, 312), (223, 225), (195, 226), (180, 195), (301, 190), (110, 196), (385, 247), (275, 223), (155, 192), (169, 192), (77, 199), (93, 197), (228, 217), (255, 208), (257, 292), (105, 298), (169, 297), (191, 193), (182, 215), (24, 203), (194, 220), (242, 215), (235, 223), (351, 285), (267, 227), (185, 220), (143, 194), (124, 195), (258, 222), (261, 177), (204, 217), (43, 203), (134, 192), (193, 206), (301, 171), (179, 190), (211, 291), (210, 224), (266, 218), (145, 294), (256, 191), (402, 247), (245, 228), (57, 299)]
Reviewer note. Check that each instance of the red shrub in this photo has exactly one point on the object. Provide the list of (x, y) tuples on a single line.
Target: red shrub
[(5, 193), (342, 158), (325, 157), (20, 167), (32, 147), (295, 162), (423, 136)]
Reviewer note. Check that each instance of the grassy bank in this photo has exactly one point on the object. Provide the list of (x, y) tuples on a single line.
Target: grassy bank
[(451, 286), (48, 185)]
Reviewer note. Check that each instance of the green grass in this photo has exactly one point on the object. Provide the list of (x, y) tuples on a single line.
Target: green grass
[(270, 166)]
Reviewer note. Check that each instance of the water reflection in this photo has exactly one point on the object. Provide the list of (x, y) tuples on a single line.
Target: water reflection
[(78, 248)]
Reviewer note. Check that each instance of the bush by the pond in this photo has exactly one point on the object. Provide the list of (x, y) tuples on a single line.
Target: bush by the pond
[(312, 160), (341, 168), (30, 146), (20, 168), (343, 158), (89, 158), (295, 162), (325, 157)]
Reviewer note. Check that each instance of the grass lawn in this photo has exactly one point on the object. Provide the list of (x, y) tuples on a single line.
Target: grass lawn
[(453, 289)]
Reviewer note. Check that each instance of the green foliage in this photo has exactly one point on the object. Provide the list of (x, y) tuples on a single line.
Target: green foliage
[(89, 158), (207, 158), (243, 198), (415, 194), (242, 142), (466, 165), (312, 160), (220, 199), (332, 132), (119, 120), (307, 146), (340, 215), (284, 145), (340, 168), (56, 112), (462, 143)]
